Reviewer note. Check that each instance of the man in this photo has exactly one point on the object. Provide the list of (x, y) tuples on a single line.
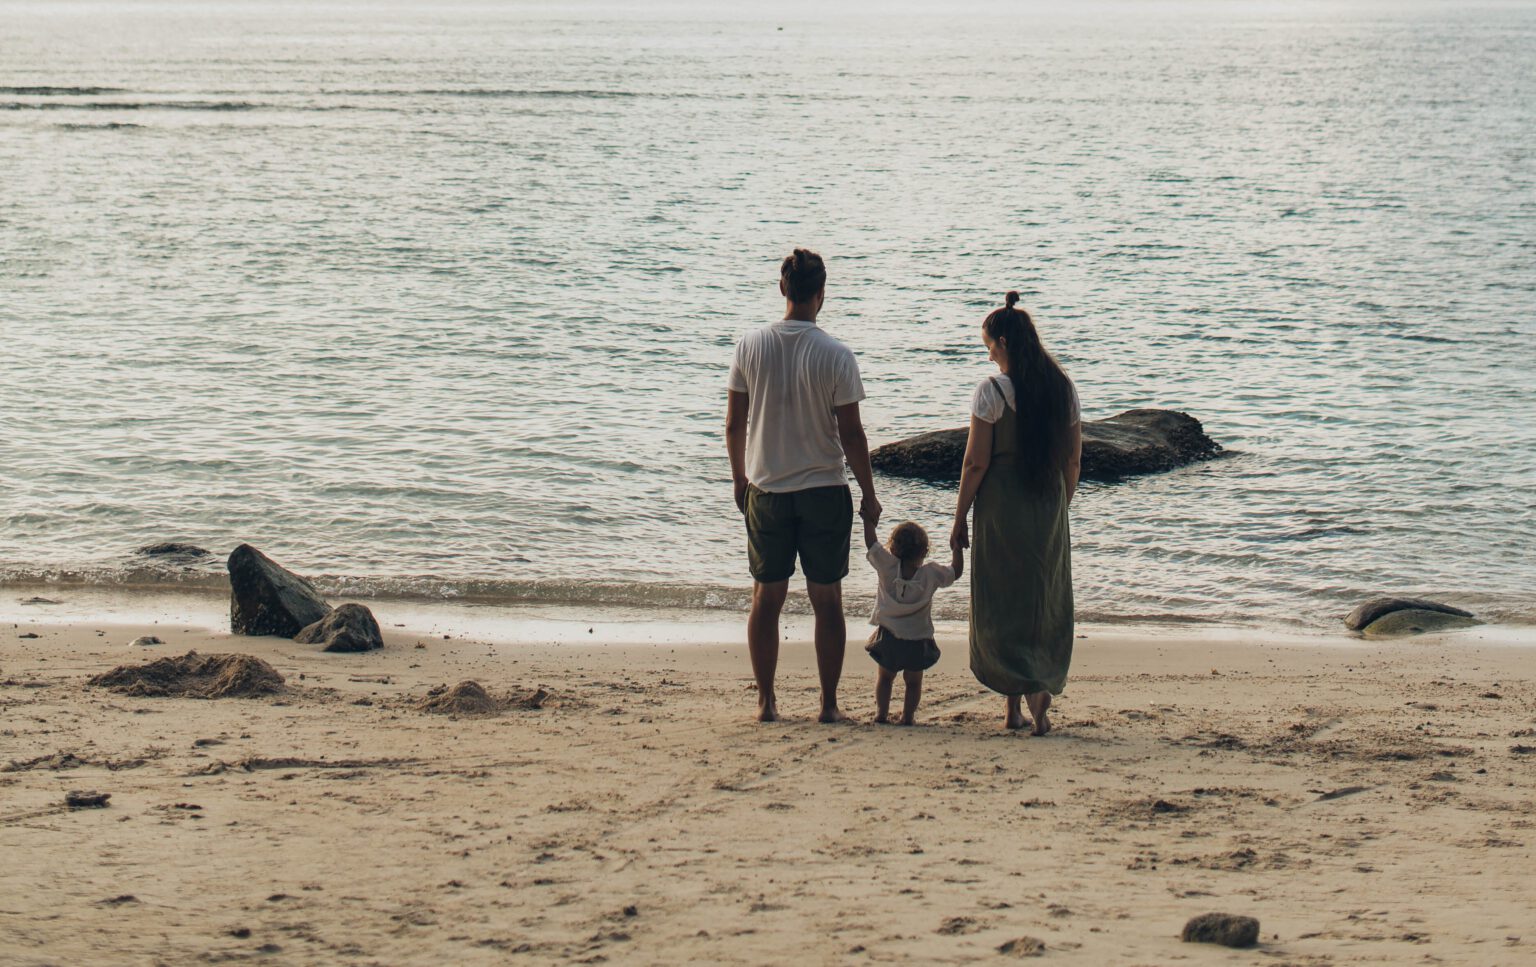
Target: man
[(792, 417)]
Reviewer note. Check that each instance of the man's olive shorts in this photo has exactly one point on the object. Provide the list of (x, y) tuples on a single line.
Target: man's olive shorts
[(816, 523)]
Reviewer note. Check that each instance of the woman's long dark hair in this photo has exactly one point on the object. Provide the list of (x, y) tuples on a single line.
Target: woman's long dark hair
[(1041, 392)]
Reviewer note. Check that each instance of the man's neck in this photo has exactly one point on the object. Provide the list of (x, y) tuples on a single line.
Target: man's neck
[(799, 313)]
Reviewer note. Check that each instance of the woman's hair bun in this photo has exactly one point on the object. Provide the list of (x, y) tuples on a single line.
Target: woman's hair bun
[(1011, 298)]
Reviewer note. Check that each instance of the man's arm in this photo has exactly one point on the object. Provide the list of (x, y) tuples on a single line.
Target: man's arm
[(736, 444), (850, 430)]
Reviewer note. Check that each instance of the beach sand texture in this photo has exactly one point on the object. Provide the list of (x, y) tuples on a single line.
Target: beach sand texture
[(1367, 803)]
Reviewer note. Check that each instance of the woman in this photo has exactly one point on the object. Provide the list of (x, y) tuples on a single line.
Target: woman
[(1021, 468)]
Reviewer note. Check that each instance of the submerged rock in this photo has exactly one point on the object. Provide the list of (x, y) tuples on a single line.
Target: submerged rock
[(1376, 608), (1222, 928), (174, 549), (1416, 621), (267, 598), (351, 627), (1134, 442)]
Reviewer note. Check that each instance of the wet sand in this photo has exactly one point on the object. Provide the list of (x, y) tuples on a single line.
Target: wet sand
[(1368, 803)]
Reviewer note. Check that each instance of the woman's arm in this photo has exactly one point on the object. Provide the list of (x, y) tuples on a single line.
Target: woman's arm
[(978, 457), (1074, 465)]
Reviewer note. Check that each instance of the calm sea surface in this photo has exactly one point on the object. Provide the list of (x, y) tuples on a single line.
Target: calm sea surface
[(438, 298)]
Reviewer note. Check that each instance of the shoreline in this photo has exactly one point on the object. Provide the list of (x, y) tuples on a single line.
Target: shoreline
[(1362, 799), (207, 607)]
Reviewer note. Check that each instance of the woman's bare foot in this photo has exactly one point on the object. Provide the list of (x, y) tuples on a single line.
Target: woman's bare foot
[(1039, 705), (906, 720), (767, 710), (1015, 717), (831, 715), (882, 718)]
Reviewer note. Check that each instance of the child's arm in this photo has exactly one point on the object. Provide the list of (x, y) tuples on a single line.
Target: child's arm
[(957, 560), (871, 536)]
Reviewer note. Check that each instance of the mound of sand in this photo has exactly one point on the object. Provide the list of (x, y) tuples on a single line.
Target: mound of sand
[(194, 676), (465, 698)]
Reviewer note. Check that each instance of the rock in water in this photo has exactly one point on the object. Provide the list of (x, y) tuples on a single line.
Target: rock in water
[(1134, 442), (268, 599), (172, 549), (1222, 928), (1416, 621), (350, 627), (1379, 607)]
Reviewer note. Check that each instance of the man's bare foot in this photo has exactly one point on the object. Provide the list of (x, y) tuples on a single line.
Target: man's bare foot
[(1039, 704), (831, 715), (906, 720), (882, 718), (767, 711)]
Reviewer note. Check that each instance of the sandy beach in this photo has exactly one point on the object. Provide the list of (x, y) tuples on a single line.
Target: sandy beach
[(1368, 803)]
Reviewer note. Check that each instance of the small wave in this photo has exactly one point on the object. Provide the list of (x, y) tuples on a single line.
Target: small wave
[(105, 126), (137, 106), (45, 91)]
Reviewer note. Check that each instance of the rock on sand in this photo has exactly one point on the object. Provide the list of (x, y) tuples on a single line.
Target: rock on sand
[(194, 676), (465, 698), (351, 627), (1416, 621), (1222, 928), (267, 598), (1377, 608)]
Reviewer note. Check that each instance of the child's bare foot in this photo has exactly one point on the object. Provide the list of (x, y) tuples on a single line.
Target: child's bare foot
[(1039, 704), (767, 710)]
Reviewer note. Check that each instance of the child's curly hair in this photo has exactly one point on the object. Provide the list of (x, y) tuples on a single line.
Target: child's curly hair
[(909, 542)]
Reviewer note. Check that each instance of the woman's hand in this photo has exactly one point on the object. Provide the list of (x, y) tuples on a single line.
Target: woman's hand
[(959, 536)]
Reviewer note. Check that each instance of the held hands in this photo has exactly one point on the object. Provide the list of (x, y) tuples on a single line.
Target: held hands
[(959, 536), (869, 509)]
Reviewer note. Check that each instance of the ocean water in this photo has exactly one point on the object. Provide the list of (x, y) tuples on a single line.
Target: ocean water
[(437, 299)]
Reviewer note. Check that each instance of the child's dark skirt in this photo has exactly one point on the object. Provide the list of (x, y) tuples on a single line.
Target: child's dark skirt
[(901, 654)]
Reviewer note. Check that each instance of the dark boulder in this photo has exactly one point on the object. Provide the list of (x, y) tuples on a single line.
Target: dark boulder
[(172, 549), (1415, 621), (1224, 928), (1134, 442), (1368, 612), (267, 598), (351, 627)]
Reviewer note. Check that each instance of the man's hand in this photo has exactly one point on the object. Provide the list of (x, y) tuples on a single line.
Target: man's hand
[(741, 494), (869, 508), (959, 536)]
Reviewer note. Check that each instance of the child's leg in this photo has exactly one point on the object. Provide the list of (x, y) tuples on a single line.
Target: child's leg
[(884, 679), (914, 695)]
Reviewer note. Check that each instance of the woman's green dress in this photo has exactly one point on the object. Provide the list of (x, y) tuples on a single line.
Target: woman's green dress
[(1021, 576)]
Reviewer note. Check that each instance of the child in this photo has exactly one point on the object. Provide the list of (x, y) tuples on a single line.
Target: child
[(903, 636)]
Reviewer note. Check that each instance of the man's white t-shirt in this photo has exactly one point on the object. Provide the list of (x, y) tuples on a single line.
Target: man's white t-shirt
[(794, 375), (903, 606)]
